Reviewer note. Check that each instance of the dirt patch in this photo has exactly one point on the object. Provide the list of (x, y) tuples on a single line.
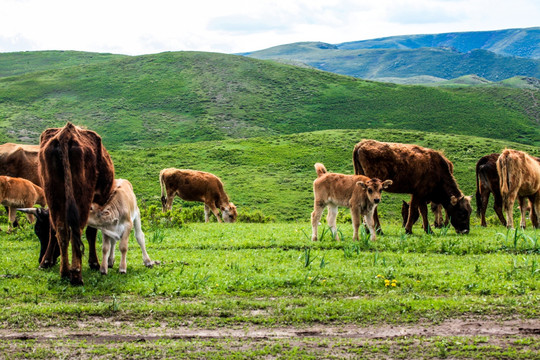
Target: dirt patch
[(118, 331)]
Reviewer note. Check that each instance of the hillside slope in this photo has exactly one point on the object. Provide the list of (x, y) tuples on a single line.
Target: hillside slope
[(183, 97)]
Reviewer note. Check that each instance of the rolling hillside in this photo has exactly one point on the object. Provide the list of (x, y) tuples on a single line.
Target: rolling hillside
[(183, 97)]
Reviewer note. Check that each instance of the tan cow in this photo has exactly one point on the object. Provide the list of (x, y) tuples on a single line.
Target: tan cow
[(357, 192), (18, 160), (192, 185), (16, 193), (519, 176), (116, 219)]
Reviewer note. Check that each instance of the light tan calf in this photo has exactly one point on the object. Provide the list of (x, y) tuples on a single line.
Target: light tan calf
[(519, 176), (116, 219), (357, 192), (192, 185), (19, 193)]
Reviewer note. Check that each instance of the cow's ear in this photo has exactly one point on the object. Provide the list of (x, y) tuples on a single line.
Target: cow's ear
[(362, 184), (387, 183), (453, 200)]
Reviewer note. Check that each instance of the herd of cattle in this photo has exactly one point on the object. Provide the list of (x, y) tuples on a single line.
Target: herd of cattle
[(71, 175)]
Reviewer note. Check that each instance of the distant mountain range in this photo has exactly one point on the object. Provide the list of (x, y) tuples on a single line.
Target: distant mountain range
[(492, 55)]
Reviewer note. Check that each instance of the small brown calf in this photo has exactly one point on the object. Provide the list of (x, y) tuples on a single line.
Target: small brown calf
[(19, 192), (357, 192)]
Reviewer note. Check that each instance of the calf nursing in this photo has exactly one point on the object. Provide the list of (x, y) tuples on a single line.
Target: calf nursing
[(357, 192)]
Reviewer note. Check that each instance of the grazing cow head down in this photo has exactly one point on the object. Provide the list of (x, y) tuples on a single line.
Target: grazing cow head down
[(374, 188), (229, 213), (460, 211)]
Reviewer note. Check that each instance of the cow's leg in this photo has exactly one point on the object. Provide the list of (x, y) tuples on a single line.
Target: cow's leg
[(48, 259), (423, 211), (62, 235), (124, 242), (169, 200), (206, 213), (370, 221), (498, 207), (413, 215), (76, 257), (377, 222), (331, 220), (105, 250), (535, 210), (12, 214), (91, 236), (484, 199), (356, 218), (436, 209), (214, 210), (508, 207), (318, 209), (139, 235), (523, 210)]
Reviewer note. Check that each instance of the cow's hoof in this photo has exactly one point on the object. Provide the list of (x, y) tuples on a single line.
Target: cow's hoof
[(46, 264), (103, 272), (123, 272), (76, 278), (94, 265)]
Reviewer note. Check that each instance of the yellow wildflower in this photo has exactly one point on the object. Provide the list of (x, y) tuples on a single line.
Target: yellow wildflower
[(394, 284)]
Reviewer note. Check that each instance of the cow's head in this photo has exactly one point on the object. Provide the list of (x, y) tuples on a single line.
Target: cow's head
[(460, 211), (229, 213), (374, 188), (42, 229), (101, 215)]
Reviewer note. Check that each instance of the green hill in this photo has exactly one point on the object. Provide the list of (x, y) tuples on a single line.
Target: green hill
[(182, 97), (275, 174)]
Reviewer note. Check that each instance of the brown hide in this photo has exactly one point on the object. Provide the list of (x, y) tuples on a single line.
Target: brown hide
[(519, 177), (487, 182), (19, 193), (20, 161), (192, 185), (424, 173), (357, 192), (76, 170)]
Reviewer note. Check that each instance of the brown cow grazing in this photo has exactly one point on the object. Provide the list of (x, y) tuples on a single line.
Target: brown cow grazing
[(116, 219), (76, 170), (519, 175), (17, 192), (192, 185), (20, 161), (357, 192), (487, 182), (424, 173)]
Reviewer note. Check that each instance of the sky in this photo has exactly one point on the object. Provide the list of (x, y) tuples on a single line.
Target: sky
[(232, 26)]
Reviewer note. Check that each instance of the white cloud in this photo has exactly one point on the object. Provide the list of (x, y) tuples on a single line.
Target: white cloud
[(140, 27)]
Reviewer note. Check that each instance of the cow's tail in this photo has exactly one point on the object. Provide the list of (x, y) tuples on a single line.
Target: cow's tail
[(358, 170), (503, 168), (73, 217), (320, 169), (478, 193)]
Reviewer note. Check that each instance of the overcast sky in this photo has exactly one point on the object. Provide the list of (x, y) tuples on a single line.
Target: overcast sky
[(230, 26)]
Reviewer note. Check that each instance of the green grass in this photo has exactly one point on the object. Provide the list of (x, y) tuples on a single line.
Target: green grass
[(172, 98)]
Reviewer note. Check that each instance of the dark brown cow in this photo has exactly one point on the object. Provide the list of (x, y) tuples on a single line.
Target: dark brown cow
[(75, 170), (192, 185), (16, 193), (487, 182), (20, 161), (424, 173), (519, 176)]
